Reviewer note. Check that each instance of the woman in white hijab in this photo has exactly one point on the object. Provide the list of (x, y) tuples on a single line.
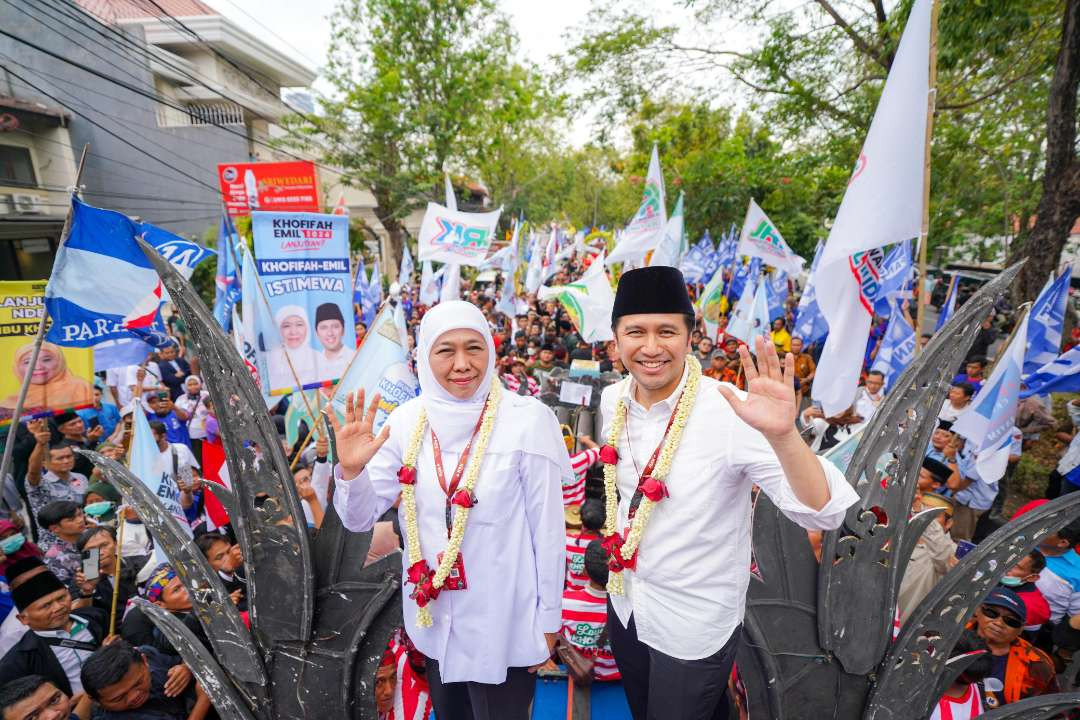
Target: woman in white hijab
[(492, 620), (294, 330)]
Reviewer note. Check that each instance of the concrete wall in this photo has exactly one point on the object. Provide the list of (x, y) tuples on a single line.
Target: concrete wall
[(117, 176)]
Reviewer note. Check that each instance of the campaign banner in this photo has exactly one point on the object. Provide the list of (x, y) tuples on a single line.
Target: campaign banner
[(62, 378), (461, 238), (303, 264), (269, 186)]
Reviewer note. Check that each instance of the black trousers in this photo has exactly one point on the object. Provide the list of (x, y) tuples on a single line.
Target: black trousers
[(509, 700), (660, 687)]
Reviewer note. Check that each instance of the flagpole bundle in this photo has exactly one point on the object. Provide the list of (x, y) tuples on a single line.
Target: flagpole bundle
[(116, 573), (16, 415), (931, 102)]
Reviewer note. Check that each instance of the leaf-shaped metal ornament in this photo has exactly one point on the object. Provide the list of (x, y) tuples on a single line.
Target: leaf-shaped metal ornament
[(1042, 707), (867, 553), (210, 601), (270, 525), (912, 678)]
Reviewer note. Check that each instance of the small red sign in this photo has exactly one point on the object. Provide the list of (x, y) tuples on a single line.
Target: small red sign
[(272, 186)]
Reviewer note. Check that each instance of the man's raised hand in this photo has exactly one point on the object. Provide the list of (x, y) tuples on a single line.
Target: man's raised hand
[(355, 441), (770, 405)]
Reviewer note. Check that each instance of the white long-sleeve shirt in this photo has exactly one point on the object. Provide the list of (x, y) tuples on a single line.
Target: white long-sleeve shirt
[(514, 541), (688, 593)]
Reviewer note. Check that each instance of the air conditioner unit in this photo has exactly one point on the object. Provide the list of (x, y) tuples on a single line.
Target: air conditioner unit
[(7, 207), (27, 204)]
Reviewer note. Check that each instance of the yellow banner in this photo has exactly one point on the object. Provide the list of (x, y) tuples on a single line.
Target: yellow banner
[(62, 379)]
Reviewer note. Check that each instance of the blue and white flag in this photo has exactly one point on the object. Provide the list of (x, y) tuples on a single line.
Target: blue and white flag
[(84, 309), (359, 283), (372, 297), (406, 271), (751, 316), (949, 306), (725, 251), (895, 274), (696, 263), (988, 421), (1046, 323), (745, 275), (776, 293), (257, 332), (429, 284), (154, 468), (810, 323), (381, 365), (897, 347), (1062, 374), (226, 282)]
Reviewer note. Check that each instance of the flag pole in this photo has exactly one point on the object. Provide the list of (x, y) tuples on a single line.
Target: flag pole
[(931, 101), (116, 573), (16, 415)]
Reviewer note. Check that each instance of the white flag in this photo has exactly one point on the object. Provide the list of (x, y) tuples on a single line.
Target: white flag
[(988, 421), (452, 236), (551, 251), (588, 302), (448, 191), (882, 205), (672, 245), (406, 271), (647, 226), (429, 285), (534, 275), (751, 316), (451, 283), (761, 239)]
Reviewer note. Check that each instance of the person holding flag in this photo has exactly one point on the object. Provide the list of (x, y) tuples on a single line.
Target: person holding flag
[(478, 473), (681, 454)]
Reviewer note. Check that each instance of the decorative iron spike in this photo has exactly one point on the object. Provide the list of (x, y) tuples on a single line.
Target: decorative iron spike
[(911, 678), (865, 553), (213, 679), (210, 601), (270, 524), (1042, 707)]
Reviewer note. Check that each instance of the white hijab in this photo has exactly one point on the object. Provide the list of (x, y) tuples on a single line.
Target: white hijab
[(452, 419)]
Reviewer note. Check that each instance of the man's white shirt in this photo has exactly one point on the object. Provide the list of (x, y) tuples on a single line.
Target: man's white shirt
[(688, 593)]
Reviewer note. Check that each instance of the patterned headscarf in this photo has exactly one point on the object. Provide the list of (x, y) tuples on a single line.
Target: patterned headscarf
[(159, 579)]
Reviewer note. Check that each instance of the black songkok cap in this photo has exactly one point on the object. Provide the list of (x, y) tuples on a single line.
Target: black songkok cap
[(328, 311), (938, 469), (657, 289), (34, 589)]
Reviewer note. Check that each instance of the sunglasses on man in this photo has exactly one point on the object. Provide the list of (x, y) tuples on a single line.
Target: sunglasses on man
[(1011, 620)]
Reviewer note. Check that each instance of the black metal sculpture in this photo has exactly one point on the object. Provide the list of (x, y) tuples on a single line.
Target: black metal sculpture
[(817, 635)]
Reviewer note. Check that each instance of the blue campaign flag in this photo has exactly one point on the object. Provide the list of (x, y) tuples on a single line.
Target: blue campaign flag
[(810, 323), (1047, 320), (226, 279), (102, 244), (372, 297), (697, 260), (1062, 374), (949, 306), (897, 347), (360, 284), (776, 294), (745, 274), (895, 273)]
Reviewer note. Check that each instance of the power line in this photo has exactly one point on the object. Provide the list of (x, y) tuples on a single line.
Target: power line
[(107, 130)]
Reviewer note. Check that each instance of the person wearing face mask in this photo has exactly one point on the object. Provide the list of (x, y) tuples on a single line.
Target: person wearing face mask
[(478, 471), (1021, 579)]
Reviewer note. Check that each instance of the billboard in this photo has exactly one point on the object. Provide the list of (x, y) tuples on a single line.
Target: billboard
[(303, 263), (270, 186)]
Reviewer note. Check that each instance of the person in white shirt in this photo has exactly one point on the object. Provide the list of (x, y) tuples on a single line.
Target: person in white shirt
[(684, 452), (469, 460), (870, 395), (333, 359), (193, 403)]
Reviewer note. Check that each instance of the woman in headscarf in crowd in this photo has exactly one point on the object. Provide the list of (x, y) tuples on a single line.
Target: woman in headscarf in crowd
[(294, 331), (478, 471), (14, 546), (51, 383), (101, 501)]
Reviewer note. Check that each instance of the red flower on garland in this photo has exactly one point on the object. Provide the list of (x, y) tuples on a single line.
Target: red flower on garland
[(653, 489), (418, 572), (406, 475), (609, 455), (616, 562), (425, 592), (463, 498)]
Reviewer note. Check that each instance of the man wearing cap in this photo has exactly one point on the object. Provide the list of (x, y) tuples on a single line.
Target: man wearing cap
[(939, 443), (1022, 670), (933, 475), (59, 481), (681, 455), (934, 554), (56, 642), (332, 360)]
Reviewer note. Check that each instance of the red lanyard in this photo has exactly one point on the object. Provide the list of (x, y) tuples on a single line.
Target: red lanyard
[(459, 471), (651, 465)]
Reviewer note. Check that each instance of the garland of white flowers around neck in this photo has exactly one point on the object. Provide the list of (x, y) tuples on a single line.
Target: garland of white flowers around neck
[(622, 549), (428, 585)]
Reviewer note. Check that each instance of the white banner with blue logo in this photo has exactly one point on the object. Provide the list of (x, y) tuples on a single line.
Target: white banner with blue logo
[(303, 265), (451, 236)]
